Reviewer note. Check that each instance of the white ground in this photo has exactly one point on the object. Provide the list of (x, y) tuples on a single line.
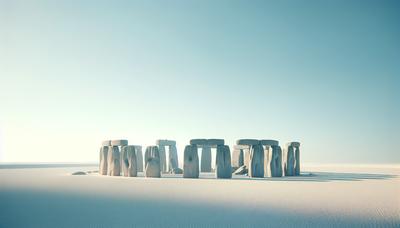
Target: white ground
[(323, 196)]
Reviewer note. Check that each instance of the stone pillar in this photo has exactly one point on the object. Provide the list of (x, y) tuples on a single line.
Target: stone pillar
[(256, 166), (289, 161), (163, 160), (275, 163), (297, 161), (152, 162), (129, 161), (172, 158), (139, 158), (191, 162), (223, 167), (267, 160), (206, 158), (237, 156), (246, 158), (103, 160), (114, 161)]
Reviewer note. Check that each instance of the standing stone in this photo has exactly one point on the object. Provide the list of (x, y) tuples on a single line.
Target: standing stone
[(289, 161), (256, 166), (246, 158), (152, 162), (275, 162), (206, 158), (191, 162), (297, 161), (267, 160), (129, 161), (103, 160), (223, 167), (163, 160), (237, 157), (114, 161), (139, 158), (172, 158)]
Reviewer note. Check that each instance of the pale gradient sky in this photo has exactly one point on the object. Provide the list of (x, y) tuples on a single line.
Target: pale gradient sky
[(325, 73)]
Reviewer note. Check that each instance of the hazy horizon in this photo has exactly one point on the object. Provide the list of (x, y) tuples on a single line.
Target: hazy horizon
[(323, 73)]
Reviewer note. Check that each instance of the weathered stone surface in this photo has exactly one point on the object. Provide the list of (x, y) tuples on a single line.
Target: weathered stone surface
[(129, 161), (246, 159), (297, 161), (176, 171), (223, 167), (241, 170), (215, 142), (139, 158), (198, 141), (152, 168), (166, 142), (163, 159), (191, 162), (256, 166), (250, 142), (119, 142), (103, 160), (114, 161), (206, 158), (237, 158), (294, 144), (172, 158), (273, 162), (152, 162), (269, 142), (241, 147), (106, 143), (289, 161)]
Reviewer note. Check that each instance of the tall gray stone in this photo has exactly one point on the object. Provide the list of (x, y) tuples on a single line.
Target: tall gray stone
[(152, 162), (267, 159), (129, 161), (237, 157), (246, 158), (256, 166), (274, 162), (172, 158), (139, 158), (297, 161), (163, 160), (289, 161), (206, 158), (103, 160), (114, 161), (223, 167), (191, 162)]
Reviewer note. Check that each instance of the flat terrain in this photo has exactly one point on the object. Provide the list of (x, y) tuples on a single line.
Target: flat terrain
[(49, 196)]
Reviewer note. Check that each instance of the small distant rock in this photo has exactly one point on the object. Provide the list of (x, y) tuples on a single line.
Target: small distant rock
[(79, 173), (242, 170), (176, 171)]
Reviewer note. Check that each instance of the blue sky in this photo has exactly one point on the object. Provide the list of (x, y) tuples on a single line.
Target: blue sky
[(325, 73)]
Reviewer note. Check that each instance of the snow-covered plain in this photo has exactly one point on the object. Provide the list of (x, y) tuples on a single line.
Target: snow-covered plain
[(324, 195)]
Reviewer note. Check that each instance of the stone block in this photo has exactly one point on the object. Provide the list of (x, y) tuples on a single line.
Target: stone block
[(256, 166), (191, 162), (223, 167), (114, 161), (129, 161)]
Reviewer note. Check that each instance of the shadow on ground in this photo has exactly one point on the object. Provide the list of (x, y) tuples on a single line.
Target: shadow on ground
[(307, 176), (29, 208)]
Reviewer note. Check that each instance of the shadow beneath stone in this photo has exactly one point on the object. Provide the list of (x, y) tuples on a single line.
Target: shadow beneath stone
[(304, 177)]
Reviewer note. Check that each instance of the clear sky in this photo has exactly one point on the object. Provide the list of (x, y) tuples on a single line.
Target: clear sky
[(325, 73)]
